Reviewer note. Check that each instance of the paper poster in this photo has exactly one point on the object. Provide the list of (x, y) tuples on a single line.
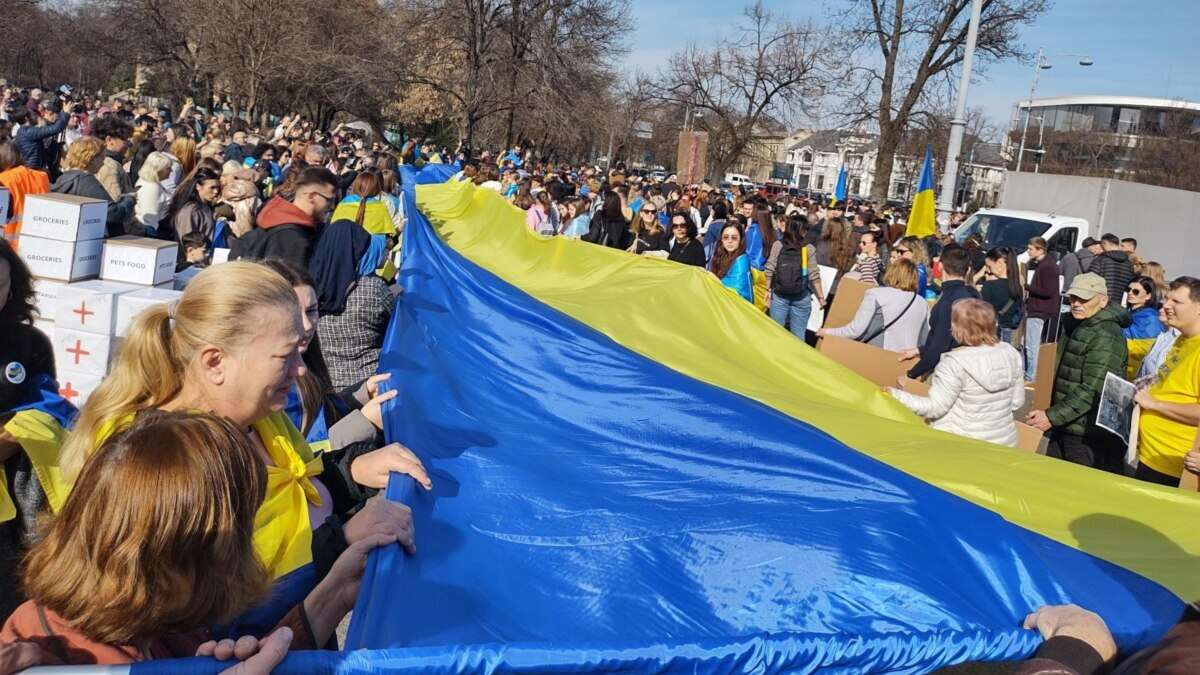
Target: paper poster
[(817, 318), (1116, 406)]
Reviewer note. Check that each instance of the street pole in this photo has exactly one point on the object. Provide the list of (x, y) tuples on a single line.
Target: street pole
[(945, 203), (1037, 71)]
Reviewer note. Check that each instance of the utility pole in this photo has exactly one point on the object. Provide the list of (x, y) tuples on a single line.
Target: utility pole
[(945, 203)]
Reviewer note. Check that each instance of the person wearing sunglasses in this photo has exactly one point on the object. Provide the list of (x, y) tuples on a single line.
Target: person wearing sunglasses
[(1141, 299), (685, 247), (288, 229), (649, 235), (730, 263)]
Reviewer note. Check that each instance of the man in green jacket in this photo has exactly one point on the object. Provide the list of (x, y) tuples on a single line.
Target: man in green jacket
[(1092, 346)]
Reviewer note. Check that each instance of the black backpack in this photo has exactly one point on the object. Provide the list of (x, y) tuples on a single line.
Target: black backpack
[(790, 277)]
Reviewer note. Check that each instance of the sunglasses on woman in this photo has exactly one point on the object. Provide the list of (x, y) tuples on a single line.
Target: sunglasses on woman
[(1135, 290)]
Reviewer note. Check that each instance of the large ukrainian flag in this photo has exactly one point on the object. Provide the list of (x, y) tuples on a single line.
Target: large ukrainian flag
[(922, 218), (636, 471)]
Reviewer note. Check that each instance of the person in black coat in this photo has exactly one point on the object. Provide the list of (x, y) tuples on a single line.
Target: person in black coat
[(955, 266), (609, 227), (685, 247), (84, 158)]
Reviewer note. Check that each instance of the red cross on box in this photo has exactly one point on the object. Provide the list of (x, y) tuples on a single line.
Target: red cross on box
[(83, 313), (78, 351), (67, 391)]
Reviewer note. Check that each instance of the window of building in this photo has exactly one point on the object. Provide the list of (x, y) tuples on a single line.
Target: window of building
[(1128, 123), (1102, 118), (820, 182)]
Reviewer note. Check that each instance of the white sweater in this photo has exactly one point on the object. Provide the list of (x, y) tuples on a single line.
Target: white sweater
[(152, 205), (974, 392)]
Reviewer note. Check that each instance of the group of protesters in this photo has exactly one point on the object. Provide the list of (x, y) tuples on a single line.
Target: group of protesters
[(225, 473)]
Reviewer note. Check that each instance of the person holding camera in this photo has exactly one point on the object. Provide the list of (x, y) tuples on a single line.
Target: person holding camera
[(33, 141)]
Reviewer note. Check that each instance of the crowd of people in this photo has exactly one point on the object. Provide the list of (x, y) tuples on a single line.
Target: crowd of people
[(227, 468)]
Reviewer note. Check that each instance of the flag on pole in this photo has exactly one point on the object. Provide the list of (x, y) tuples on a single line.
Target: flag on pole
[(839, 192), (922, 221)]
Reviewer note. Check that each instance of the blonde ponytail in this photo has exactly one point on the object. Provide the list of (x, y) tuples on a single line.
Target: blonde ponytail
[(220, 307)]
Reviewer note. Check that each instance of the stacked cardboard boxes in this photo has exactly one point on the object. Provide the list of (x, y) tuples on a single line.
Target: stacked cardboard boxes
[(62, 243)]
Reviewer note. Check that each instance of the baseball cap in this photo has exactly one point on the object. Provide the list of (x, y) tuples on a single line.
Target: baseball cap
[(1087, 286), (1089, 241)]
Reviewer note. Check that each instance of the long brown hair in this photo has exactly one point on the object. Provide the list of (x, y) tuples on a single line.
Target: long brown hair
[(722, 260), (766, 228), (19, 307), (368, 184), (157, 535), (843, 245)]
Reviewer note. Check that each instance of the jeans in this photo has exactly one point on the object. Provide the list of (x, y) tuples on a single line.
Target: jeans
[(1006, 335), (791, 313), (1034, 325)]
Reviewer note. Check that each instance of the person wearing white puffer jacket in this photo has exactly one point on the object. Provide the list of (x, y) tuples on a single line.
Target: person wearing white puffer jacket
[(976, 387)]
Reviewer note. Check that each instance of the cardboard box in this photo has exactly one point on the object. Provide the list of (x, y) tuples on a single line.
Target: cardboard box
[(138, 260), (64, 217), (45, 296), (129, 305), (82, 352), (61, 260), (90, 306), (77, 387), (880, 366)]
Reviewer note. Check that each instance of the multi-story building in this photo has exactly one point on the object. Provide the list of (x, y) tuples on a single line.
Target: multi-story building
[(817, 159), (1151, 140)]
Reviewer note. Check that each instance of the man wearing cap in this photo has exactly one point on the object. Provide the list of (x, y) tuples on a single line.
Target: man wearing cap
[(1092, 346), (1171, 405), (1074, 264)]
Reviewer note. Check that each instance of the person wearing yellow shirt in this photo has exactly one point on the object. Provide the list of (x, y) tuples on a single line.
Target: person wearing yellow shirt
[(1171, 405)]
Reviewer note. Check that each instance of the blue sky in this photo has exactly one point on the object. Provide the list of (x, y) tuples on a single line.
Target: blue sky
[(1146, 48)]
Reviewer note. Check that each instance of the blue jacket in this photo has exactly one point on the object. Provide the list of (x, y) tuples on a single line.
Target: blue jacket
[(738, 277), (1145, 324), (30, 142)]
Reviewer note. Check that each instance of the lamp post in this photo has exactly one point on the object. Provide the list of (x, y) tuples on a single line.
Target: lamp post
[(945, 202), (1040, 64)]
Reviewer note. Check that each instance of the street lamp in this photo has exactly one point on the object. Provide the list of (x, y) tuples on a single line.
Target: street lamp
[(1040, 64)]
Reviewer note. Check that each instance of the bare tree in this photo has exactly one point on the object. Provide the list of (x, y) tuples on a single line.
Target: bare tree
[(768, 69), (911, 43)]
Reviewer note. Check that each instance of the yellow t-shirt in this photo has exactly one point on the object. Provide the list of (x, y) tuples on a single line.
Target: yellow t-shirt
[(1162, 442)]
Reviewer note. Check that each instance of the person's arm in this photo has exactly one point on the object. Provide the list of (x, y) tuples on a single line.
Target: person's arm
[(814, 276), (1018, 394), (1184, 413), (772, 262), (861, 321), (53, 129), (943, 392)]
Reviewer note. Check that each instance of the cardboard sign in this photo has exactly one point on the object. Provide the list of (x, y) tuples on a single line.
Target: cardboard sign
[(849, 296), (89, 306), (138, 260), (45, 297), (82, 352), (880, 366), (64, 217), (1043, 378), (691, 156), (129, 305), (77, 387), (1028, 438), (61, 260), (220, 255), (816, 319)]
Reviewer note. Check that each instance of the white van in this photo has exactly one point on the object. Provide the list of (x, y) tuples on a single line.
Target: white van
[(1014, 229), (738, 180)]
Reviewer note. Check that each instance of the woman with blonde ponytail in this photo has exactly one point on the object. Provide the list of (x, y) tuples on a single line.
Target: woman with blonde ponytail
[(231, 346)]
